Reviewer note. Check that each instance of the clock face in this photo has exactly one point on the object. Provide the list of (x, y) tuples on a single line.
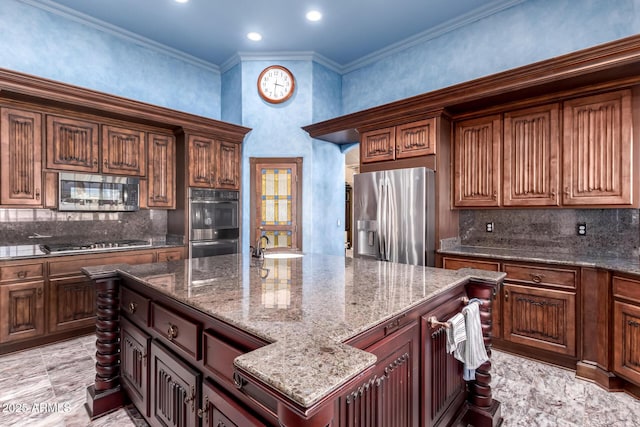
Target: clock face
[(276, 84)]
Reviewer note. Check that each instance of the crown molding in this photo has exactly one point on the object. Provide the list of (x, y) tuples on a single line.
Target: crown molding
[(65, 12), (280, 56), (432, 33)]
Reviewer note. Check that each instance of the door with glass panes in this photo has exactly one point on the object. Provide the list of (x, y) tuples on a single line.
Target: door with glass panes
[(276, 201)]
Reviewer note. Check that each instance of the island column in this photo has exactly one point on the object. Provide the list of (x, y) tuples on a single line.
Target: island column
[(105, 394), (483, 410)]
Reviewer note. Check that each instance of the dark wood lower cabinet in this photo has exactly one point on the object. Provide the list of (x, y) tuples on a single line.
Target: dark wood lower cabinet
[(21, 311), (134, 366), (175, 390), (390, 395), (626, 351), (72, 303), (540, 318), (221, 410)]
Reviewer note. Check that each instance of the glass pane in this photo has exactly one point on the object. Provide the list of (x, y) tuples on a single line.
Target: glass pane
[(278, 239), (276, 196)]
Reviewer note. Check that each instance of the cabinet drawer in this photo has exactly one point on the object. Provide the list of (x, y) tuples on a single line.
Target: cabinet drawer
[(182, 333), (218, 355), (456, 264), (73, 264), (135, 306), (626, 288), (170, 255), (558, 277), (21, 272)]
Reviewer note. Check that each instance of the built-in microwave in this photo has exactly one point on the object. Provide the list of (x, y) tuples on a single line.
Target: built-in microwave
[(89, 192)]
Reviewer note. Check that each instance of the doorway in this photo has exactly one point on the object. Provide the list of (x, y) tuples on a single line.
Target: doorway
[(276, 201), (351, 167)]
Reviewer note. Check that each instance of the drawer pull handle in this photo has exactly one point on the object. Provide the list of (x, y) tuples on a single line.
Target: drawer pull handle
[(40, 292), (537, 278), (22, 274), (204, 412), (172, 332), (132, 307), (238, 380)]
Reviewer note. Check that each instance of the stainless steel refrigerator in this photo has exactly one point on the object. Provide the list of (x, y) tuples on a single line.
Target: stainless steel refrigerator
[(394, 215)]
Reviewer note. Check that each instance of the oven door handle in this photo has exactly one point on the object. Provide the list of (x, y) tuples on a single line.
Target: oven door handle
[(211, 243)]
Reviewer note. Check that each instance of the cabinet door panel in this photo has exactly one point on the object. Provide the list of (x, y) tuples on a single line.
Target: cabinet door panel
[(228, 166), (162, 175), (378, 145), (21, 158), (477, 162), (123, 151), (540, 318), (71, 303), (21, 311), (416, 139), (72, 144), (626, 341), (531, 145), (134, 367), (201, 161), (390, 396), (598, 150), (175, 389)]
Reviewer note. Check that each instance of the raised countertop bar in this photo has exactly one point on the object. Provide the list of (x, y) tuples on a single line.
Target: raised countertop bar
[(629, 265), (306, 307)]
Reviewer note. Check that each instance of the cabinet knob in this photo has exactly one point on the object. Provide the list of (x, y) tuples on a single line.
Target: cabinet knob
[(506, 295), (37, 194), (39, 292), (495, 195), (132, 307), (537, 278), (238, 380), (95, 163), (172, 332), (566, 191)]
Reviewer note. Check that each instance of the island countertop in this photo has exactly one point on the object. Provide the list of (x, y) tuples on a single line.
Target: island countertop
[(303, 306)]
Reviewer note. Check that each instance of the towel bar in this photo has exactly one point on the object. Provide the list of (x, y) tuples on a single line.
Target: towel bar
[(434, 322)]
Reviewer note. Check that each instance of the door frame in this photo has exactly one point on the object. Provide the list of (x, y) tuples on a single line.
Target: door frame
[(254, 161)]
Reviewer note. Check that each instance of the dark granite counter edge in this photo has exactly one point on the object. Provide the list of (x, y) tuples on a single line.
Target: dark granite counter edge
[(616, 264)]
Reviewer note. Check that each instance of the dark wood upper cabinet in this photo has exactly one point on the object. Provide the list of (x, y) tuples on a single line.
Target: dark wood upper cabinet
[(598, 150), (202, 153), (228, 165), (123, 151), (531, 149), (416, 139), (476, 179), (161, 173), (72, 144), (21, 158), (378, 145)]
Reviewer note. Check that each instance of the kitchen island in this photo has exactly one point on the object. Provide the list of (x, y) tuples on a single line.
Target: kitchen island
[(309, 341)]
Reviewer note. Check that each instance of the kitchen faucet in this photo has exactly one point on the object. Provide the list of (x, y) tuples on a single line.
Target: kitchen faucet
[(258, 250)]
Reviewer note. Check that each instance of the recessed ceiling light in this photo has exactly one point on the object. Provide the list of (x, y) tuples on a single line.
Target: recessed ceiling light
[(182, 1), (256, 37), (314, 15)]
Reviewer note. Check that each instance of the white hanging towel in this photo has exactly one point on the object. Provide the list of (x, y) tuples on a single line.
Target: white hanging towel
[(456, 336), (475, 354)]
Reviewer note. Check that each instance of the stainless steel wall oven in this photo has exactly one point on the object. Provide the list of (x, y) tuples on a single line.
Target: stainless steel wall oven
[(213, 222)]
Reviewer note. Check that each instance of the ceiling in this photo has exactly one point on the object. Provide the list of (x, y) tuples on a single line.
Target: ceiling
[(215, 30)]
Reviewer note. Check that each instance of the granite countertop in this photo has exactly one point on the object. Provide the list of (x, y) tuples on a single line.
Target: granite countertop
[(17, 252), (305, 307), (629, 265)]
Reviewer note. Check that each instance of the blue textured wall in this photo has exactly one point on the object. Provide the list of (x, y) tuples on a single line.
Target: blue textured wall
[(526, 33), (232, 95), (276, 132), (48, 45)]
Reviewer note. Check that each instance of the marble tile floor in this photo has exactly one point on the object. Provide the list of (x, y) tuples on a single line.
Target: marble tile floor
[(46, 386)]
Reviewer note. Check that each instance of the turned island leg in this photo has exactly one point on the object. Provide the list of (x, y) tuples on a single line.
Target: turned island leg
[(105, 394), (483, 410)]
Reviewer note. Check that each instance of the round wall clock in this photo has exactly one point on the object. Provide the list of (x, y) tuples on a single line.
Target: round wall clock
[(276, 84)]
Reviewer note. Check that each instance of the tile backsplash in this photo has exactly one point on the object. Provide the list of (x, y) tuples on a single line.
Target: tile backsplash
[(609, 232), (16, 225)]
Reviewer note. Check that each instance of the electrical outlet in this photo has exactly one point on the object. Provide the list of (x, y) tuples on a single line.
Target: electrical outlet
[(581, 229), (489, 227)]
